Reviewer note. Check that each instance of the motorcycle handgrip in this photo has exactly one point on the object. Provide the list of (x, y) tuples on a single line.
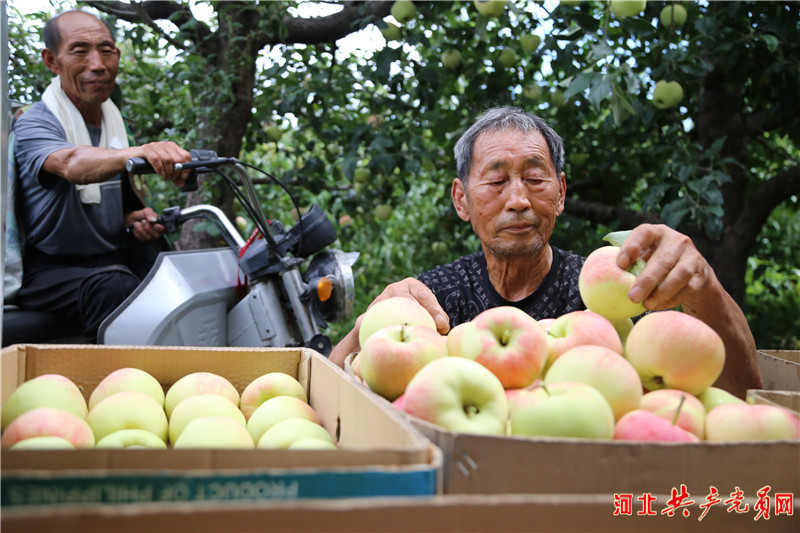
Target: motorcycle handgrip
[(200, 159)]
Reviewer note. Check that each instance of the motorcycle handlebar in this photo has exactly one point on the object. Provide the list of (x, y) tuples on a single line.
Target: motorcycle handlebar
[(202, 161)]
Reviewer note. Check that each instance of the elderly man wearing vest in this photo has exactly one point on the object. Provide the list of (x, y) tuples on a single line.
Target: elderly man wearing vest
[(74, 200)]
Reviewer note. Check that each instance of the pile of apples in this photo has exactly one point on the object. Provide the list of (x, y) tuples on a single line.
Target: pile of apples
[(591, 374), (129, 409)]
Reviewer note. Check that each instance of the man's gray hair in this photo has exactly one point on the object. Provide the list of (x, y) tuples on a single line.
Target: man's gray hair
[(504, 118), (51, 33)]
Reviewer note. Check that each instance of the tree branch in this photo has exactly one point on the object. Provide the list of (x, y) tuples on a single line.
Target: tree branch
[(606, 214), (764, 199), (149, 11), (330, 28)]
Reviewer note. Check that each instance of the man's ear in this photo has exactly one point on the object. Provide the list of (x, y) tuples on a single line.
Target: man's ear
[(562, 195), (50, 60), (460, 201)]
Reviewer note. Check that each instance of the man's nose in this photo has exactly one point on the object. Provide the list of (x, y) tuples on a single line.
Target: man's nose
[(517, 195), (95, 60)]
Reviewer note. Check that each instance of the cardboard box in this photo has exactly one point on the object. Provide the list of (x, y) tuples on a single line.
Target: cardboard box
[(380, 453), (780, 369)]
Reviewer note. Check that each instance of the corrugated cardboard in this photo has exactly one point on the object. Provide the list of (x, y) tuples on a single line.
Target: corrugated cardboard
[(780, 369), (379, 453)]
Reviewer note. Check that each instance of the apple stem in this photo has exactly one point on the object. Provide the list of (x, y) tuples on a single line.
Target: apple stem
[(545, 389), (402, 333), (505, 337), (471, 410), (678, 410)]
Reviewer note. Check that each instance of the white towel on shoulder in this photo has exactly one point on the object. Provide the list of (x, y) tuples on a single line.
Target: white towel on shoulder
[(113, 132)]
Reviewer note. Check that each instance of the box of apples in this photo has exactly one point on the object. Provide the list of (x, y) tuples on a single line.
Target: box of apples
[(121, 425), (588, 402), (780, 369)]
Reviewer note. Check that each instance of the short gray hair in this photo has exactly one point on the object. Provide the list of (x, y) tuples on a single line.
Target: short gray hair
[(503, 118)]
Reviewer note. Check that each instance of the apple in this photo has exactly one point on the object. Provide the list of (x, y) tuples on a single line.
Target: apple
[(577, 328), (627, 8), (391, 356), (673, 15), (451, 58), (276, 410), (127, 379), (355, 366), (570, 3), (566, 409), (215, 432), (530, 42), (131, 438), (241, 223), (557, 98), (199, 383), (345, 220), (43, 443), (269, 386), (128, 410), (507, 58), (623, 327), (397, 403), (286, 432), (667, 94), (680, 408), (643, 425), (391, 311), (578, 158), (745, 422), (439, 248), (605, 370), (546, 323), (48, 390), (383, 212), (490, 8), (403, 10), (198, 406), (274, 133), (454, 336), (458, 394), (531, 92), (375, 120), (361, 175), (312, 443), (391, 32), (509, 342), (49, 422), (604, 286), (714, 396), (673, 350)]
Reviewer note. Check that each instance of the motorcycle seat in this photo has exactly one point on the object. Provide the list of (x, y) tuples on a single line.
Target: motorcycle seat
[(37, 327)]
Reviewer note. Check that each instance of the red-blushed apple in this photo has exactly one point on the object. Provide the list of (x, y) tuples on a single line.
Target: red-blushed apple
[(604, 285), (128, 410), (124, 379), (49, 422), (605, 370), (623, 327), (679, 408), (312, 443), (199, 383), (276, 410), (745, 422), (567, 409), (546, 323), (578, 328), (198, 406), (215, 432), (459, 395), (269, 386), (393, 311), (673, 350), (454, 337), (398, 402), (43, 443), (286, 432), (714, 396), (509, 342), (643, 425), (131, 438), (355, 366), (391, 356), (48, 390)]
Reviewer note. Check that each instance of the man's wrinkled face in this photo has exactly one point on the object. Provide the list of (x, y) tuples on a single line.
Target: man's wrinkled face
[(513, 195)]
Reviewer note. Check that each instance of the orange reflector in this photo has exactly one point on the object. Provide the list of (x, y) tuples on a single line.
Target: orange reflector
[(324, 289)]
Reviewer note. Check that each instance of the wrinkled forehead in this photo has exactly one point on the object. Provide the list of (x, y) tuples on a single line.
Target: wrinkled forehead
[(78, 26)]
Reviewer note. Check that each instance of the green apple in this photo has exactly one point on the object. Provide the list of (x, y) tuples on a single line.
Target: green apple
[(403, 10), (454, 336), (361, 175), (451, 58), (667, 94), (439, 248), (623, 327), (459, 395), (578, 158), (680, 408), (745, 422), (509, 342), (557, 99), (215, 432), (391, 32), (507, 58), (383, 212), (644, 425), (627, 8), (131, 438), (274, 133), (673, 15), (284, 433), (128, 410), (269, 386), (199, 406), (312, 444), (577, 328), (605, 370), (490, 8), (531, 92), (391, 311), (127, 379), (276, 410), (392, 355), (570, 3), (49, 390), (566, 409), (714, 396), (530, 42), (43, 443), (199, 383), (673, 350), (604, 286), (49, 422)]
